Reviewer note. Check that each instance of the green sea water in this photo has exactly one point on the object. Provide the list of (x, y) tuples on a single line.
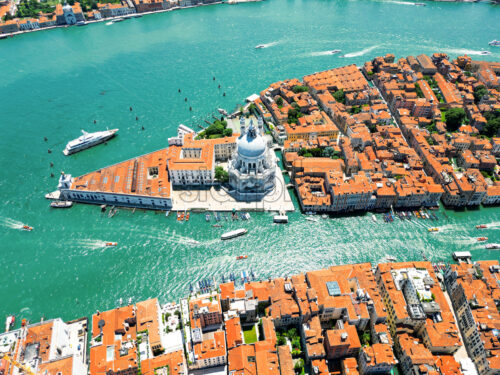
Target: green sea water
[(55, 83)]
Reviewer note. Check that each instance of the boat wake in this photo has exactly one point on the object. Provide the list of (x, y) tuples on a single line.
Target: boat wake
[(267, 45), (322, 53), (11, 223), (88, 244), (461, 51), (494, 225), (399, 2), (361, 53), (109, 23)]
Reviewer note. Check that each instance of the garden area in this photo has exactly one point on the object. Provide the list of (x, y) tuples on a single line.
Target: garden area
[(291, 336), (218, 129), (250, 334)]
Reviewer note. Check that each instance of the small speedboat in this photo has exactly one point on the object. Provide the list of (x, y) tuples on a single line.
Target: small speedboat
[(433, 229), (240, 257), (27, 228), (481, 239), (390, 258), (494, 43), (187, 216), (311, 219), (420, 4), (260, 46), (492, 246), (61, 204), (374, 218), (222, 111), (481, 226), (111, 244), (333, 52), (485, 53), (193, 242), (217, 226)]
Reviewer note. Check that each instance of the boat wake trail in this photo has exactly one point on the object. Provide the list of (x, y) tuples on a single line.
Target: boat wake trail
[(91, 244), (462, 51), (322, 53), (398, 2), (176, 238), (361, 53), (494, 225), (267, 45), (11, 223)]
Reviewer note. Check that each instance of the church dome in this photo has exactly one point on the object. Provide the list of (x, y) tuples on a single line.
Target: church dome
[(251, 144)]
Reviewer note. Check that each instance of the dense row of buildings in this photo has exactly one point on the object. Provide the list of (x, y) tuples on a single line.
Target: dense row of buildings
[(72, 14), (343, 320), (372, 138)]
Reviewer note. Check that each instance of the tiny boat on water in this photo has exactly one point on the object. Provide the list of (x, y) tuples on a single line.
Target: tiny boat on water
[(390, 258), (374, 218), (208, 217), (27, 228), (217, 226), (481, 239), (260, 46), (311, 219), (333, 52), (233, 234), (9, 322), (433, 229), (485, 53), (192, 242), (240, 257), (492, 246), (481, 226), (187, 216), (111, 243), (61, 204)]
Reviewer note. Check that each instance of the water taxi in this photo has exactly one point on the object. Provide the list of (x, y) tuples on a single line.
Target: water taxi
[(374, 218), (485, 53), (61, 204), (208, 217), (233, 234), (193, 242), (494, 43), (111, 244), (481, 239), (187, 216), (433, 229), (390, 258), (481, 226), (240, 257), (217, 226), (335, 51), (27, 228), (180, 216), (312, 219), (260, 46), (492, 246)]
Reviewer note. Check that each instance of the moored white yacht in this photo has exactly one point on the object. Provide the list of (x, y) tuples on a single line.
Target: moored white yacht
[(88, 140)]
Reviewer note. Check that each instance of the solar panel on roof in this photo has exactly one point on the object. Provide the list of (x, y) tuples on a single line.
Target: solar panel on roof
[(333, 288)]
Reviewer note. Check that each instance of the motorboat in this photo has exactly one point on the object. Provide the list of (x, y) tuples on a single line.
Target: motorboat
[(333, 52), (9, 322), (111, 244), (433, 229), (61, 204), (222, 111), (495, 43), (324, 216), (482, 239), (27, 228), (420, 4), (390, 258), (187, 216), (192, 242), (260, 46), (233, 234), (217, 226), (240, 257), (88, 140), (280, 219), (374, 218), (485, 53), (481, 226), (312, 219), (119, 19), (492, 246)]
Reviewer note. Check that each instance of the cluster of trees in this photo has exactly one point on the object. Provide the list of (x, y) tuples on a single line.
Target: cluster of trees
[(299, 367), (218, 129), (294, 114), (294, 338), (454, 118), (317, 152), (221, 174), (479, 92), (339, 96), (297, 88), (420, 94), (493, 123), (88, 5), (31, 9), (355, 109)]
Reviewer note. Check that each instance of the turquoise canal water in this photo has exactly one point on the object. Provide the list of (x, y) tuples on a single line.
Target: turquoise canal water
[(55, 83)]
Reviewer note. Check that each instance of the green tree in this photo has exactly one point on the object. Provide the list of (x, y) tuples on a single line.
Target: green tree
[(221, 175), (493, 123), (479, 92), (279, 101), (297, 88), (454, 118), (228, 132), (420, 94), (339, 96)]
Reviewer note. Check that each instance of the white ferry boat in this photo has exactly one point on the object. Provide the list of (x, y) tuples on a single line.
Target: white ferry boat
[(494, 43), (88, 140), (233, 234)]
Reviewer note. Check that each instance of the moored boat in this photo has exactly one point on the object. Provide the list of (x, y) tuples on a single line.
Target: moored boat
[(374, 218), (9, 322), (61, 204), (233, 234), (88, 140)]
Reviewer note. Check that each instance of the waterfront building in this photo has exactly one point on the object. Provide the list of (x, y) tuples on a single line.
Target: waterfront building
[(252, 168), (49, 347), (69, 14), (10, 26), (114, 10), (28, 24)]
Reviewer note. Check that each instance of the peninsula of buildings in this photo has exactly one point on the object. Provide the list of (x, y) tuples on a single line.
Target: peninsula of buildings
[(411, 318), (23, 16), (402, 134)]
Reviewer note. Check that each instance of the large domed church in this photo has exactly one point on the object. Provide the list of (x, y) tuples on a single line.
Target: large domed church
[(252, 168)]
